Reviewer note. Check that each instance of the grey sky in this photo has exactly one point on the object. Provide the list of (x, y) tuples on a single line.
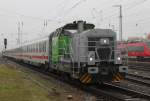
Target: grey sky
[(136, 16)]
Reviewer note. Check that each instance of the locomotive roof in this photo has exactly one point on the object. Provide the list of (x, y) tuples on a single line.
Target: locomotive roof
[(107, 32), (74, 26)]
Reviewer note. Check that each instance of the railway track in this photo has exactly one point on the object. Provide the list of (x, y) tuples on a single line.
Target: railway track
[(129, 94), (139, 65), (143, 80), (139, 73), (142, 68), (105, 92)]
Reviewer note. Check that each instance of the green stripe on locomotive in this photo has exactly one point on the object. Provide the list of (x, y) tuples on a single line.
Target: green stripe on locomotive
[(60, 47)]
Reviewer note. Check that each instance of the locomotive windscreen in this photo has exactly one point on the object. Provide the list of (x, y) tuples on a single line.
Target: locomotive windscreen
[(103, 51)]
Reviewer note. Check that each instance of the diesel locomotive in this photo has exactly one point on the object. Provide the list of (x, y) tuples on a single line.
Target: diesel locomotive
[(77, 49)]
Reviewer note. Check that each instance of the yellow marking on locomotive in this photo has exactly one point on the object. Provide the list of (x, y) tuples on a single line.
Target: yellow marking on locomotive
[(83, 76), (120, 76), (90, 79), (117, 77), (86, 78)]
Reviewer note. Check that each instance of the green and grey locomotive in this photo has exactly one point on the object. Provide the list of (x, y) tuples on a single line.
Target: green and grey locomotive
[(87, 54)]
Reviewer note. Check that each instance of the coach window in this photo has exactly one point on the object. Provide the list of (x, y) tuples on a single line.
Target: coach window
[(135, 48), (45, 46), (33, 47), (27, 48), (22, 49), (148, 44), (30, 48), (39, 47), (36, 47)]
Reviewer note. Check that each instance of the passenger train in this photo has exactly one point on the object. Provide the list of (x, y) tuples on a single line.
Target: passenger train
[(135, 50), (76, 50), (139, 50)]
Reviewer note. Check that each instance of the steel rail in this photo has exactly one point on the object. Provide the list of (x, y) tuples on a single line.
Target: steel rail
[(132, 93), (138, 79)]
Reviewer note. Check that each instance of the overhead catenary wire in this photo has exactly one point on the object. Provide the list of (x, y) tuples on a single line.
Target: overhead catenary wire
[(19, 16), (72, 8), (127, 6)]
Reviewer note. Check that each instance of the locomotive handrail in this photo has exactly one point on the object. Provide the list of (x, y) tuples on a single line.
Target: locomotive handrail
[(95, 46), (71, 50), (99, 60), (95, 41)]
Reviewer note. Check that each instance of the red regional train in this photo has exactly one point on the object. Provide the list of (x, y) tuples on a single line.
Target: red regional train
[(139, 50)]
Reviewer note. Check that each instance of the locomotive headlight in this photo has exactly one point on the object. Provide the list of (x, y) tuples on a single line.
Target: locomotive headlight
[(91, 59), (104, 41), (118, 58)]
